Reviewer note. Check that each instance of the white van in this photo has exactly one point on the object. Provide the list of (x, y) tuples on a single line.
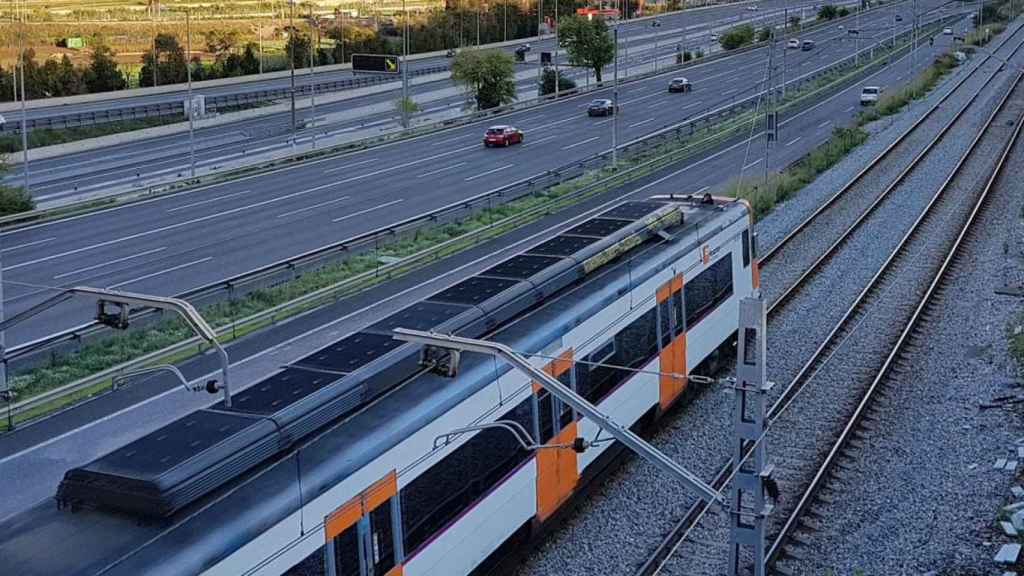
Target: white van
[(870, 94)]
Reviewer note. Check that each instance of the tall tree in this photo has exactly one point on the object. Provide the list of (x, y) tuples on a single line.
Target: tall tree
[(169, 62), (102, 74), (221, 43), (587, 43), (488, 74), (250, 62), (298, 47)]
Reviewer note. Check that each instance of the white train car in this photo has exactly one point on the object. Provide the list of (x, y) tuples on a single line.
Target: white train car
[(383, 491)]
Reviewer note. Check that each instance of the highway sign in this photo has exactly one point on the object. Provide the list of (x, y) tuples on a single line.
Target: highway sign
[(376, 63)]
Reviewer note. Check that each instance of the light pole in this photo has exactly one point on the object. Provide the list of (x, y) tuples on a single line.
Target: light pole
[(405, 67), (191, 104), (554, 54), (314, 46), (505, 21), (615, 96), (24, 97), (291, 59), (785, 50), (656, 24)]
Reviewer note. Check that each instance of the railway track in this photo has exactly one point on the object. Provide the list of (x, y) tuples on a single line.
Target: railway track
[(932, 267), (800, 254), (936, 218)]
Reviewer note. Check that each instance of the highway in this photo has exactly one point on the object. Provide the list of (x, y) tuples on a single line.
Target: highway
[(34, 458), (178, 242), (68, 175)]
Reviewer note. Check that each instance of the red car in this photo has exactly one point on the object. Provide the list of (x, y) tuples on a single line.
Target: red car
[(502, 136)]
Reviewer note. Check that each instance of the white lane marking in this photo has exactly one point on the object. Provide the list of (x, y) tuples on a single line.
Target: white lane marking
[(545, 139), (169, 227), (482, 174), (407, 164), (555, 123), (439, 170), (171, 269), (697, 103), (347, 166), (201, 202), (313, 207), (850, 109), (580, 143), (322, 327), (630, 101), (752, 164), (656, 103), (642, 122), (354, 214), (794, 141), (824, 124), (27, 244), (109, 262), (727, 92), (702, 190)]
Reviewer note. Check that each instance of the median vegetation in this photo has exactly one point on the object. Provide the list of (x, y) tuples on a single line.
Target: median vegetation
[(736, 37), (50, 136), (13, 199), (894, 101)]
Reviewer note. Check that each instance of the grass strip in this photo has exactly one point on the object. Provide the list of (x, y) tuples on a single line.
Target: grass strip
[(40, 137), (121, 347)]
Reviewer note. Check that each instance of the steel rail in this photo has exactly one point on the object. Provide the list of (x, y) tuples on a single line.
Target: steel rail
[(899, 347)]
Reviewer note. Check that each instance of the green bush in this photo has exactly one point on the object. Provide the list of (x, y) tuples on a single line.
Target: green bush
[(764, 34), (14, 200), (737, 36), (917, 88), (51, 136)]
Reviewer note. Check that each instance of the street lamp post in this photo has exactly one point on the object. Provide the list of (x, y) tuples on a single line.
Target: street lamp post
[(555, 52), (615, 98), (291, 60), (191, 104), (314, 46), (405, 66), (24, 97)]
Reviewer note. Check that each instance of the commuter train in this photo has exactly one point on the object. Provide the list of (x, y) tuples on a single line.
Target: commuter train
[(346, 457)]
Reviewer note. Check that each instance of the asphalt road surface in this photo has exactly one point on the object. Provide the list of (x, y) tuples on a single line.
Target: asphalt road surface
[(172, 244)]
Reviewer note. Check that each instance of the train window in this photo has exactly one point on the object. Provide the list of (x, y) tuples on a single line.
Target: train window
[(746, 248), (453, 484), (346, 552), (709, 289), (664, 319), (601, 355), (565, 411), (382, 540), (546, 408), (635, 346), (677, 305)]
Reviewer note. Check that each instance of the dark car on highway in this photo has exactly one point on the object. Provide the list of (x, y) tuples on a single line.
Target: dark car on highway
[(502, 136), (601, 108), (679, 85)]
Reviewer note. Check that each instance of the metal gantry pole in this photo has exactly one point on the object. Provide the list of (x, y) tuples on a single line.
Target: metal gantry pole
[(554, 54), (191, 104), (785, 49), (748, 507), (540, 65)]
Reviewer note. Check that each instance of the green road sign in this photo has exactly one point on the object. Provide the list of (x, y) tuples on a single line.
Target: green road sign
[(375, 63)]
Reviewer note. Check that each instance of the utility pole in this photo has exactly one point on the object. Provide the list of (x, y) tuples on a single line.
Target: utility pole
[(771, 125), (505, 22), (191, 104), (24, 97), (540, 65), (291, 60), (314, 41), (153, 19), (615, 97), (261, 48), (555, 53), (785, 49), (405, 67), (748, 506), (856, 54)]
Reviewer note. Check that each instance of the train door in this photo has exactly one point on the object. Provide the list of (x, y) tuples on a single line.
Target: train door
[(671, 340), (557, 470), (363, 535)]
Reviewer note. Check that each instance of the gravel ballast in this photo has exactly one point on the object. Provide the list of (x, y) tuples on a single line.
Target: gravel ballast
[(617, 527)]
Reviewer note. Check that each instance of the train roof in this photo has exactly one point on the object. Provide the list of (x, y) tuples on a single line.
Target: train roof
[(206, 529)]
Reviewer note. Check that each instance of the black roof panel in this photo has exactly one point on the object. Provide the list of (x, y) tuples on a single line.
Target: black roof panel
[(420, 316), (473, 290), (522, 266), (632, 210), (159, 451), (278, 391), (562, 245), (598, 227), (350, 353)]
